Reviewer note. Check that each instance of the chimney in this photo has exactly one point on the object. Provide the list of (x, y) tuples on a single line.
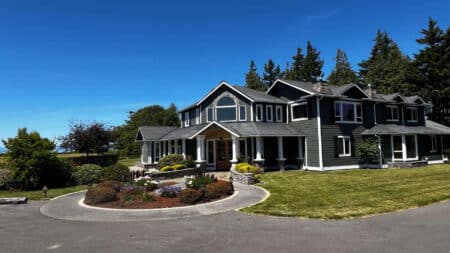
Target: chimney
[(320, 87), (369, 90)]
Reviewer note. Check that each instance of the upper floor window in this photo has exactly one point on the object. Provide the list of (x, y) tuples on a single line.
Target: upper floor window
[(242, 113), (186, 119), (299, 111), (391, 113), (197, 116), (411, 114), (347, 112), (269, 113), (209, 114), (226, 109), (279, 113), (259, 112)]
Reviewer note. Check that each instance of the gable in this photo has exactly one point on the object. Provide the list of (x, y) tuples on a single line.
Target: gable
[(282, 90), (354, 92), (224, 91)]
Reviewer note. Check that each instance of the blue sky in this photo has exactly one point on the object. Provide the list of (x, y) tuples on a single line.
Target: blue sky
[(63, 61)]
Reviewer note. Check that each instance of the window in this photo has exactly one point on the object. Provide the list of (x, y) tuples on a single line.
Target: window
[(242, 113), (411, 114), (343, 146), (404, 147), (348, 112), (391, 113), (398, 147), (433, 143), (209, 114), (410, 142), (279, 113), (197, 116), (269, 113), (226, 109), (186, 119), (299, 111), (259, 112)]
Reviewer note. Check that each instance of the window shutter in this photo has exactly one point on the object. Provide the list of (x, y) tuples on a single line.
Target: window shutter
[(336, 149), (353, 146)]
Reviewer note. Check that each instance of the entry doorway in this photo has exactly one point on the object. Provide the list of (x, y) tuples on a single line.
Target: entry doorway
[(218, 154)]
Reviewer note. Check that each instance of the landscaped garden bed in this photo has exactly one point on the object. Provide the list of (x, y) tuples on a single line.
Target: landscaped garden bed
[(246, 173), (147, 194)]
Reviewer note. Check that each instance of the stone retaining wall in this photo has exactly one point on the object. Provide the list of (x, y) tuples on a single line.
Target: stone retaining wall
[(175, 173), (243, 178)]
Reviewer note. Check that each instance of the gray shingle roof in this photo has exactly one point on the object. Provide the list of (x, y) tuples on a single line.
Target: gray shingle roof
[(430, 128), (259, 96), (150, 133), (263, 129), (183, 133)]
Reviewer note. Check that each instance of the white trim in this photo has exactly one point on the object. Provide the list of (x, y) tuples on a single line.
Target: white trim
[(391, 107), (223, 83), (292, 111), (215, 123), (251, 112), (413, 111), (197, 116), (187, 119), (319, 133), (207, 114), (288, 84), (404, 149), (351, 85), (235, 106), (279, 118), (436, 161), (259, 119), (349, 153), (355, 119), (245, 112), (267, 113)]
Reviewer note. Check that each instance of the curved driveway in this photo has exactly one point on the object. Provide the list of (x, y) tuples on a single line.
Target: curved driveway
[(24, 229)]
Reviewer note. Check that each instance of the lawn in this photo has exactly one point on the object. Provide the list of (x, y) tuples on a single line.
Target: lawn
[(128, 161), (352, 193), (38, 195)]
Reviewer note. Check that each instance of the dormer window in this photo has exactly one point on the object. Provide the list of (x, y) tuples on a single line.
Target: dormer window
[(347, 112), (391, 113), (411, 114), (197, 116), (226, 109), (279, 113), (259, 112)]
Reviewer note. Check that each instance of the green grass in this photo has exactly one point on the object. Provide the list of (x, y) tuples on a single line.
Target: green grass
[(128, 161), (38, 195), (352, 193)]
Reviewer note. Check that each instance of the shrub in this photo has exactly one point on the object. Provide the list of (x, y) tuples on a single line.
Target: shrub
[(368, 150), (166, 168), (169, 191), (190, 196), (88, 174), (117, 172), (217, 189), (247, 168), (147, 183), (170, 160), (98, 195), (148, 197), (199, 182), (5, 178), (128, 199), (115, 185), (190, 162), (133, 190), (179, 166)]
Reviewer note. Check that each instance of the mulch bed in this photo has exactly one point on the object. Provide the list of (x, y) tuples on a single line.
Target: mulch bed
[(138, 203)]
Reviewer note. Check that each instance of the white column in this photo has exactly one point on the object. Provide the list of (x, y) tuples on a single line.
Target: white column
[(169, 147), (234, 148), (144, 153), (150, 153), (280, 149), (183, 148), (200, 148), (380, 155), (258, 149)]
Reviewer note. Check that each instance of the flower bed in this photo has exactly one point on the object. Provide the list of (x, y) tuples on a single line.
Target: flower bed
[(146, 194), (245, 173)]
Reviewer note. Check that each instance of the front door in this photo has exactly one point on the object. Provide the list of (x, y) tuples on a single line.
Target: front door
[(223, 155)]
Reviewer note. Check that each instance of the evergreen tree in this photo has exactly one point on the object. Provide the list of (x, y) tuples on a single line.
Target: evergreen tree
[(342, 72), (387, 67), (253, 80), (312, 68), (294, 72), (271, 73)]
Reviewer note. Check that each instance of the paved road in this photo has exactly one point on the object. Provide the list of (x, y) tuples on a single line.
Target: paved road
[(24, 229)]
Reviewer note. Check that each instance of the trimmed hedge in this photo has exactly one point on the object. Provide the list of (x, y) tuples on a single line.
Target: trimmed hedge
[(170, 160), (117, 172), (173, 167), (104, 160), (98, 195), (88, 174)]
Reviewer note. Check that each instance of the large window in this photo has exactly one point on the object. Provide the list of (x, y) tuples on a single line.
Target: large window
[(226, 109), (269, 113), (404, 147), (344, 146), (242, 113), (209, 114), (411, 114), (299, 111), (348, 112), (279, 113), (259, 112), (186, 119), (391, 113)]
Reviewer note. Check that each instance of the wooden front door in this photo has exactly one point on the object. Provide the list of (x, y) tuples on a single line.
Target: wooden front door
[(223, 155)]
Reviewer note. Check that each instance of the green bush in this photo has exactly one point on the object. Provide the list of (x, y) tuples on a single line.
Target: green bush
[(166, 168), (98, 195), (147, 183), (368, 150), (173, 167), (115, 185), (148, 197), (170, 160), (117, 172), (247, 168), (5, 178), (190, 196), (200, 182), (88, 174)]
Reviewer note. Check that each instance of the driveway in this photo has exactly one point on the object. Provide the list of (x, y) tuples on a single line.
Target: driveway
[(24, 229)]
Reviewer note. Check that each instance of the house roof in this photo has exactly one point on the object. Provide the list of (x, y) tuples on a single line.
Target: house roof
[(263, 129), (259, 96), (430, 128), (151, 133)]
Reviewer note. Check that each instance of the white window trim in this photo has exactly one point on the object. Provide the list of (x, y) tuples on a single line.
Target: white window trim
[(186, 119), (433, 144), (279, 117), (245, 113), (212, 114), (235, 106), (412, 111), (259, 118), (349, 153), (391, 108), (292, 111), (404, 151), (355, 121), (197, 116), (267, 113)]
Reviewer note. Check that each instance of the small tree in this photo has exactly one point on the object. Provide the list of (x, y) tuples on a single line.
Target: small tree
[(368, 150), (84, 138)]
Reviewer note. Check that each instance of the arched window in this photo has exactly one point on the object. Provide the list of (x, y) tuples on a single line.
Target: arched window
[(226, 109)]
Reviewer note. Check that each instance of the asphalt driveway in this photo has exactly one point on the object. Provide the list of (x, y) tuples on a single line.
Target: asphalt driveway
[(427, 229)]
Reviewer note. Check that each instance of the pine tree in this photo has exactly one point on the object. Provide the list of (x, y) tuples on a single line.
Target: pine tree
[(387, 67), (293, 72), (271, 73), (342, 72), (253, 80), (312, 68)]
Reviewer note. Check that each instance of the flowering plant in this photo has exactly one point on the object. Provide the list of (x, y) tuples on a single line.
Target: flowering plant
[(169, 191)]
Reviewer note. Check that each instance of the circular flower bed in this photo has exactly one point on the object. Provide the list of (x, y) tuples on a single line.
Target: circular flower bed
[(147, 194)]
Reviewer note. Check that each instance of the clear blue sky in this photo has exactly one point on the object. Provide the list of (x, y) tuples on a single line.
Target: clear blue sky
[(97, 60)]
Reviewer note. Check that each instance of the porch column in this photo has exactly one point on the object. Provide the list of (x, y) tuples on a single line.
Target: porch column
[(380, 155), (144, 153), (235, 149), (150, 153), (280, 158), (259, 161), (163, 148), (183, 147), (169, 149), (200, 148)]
